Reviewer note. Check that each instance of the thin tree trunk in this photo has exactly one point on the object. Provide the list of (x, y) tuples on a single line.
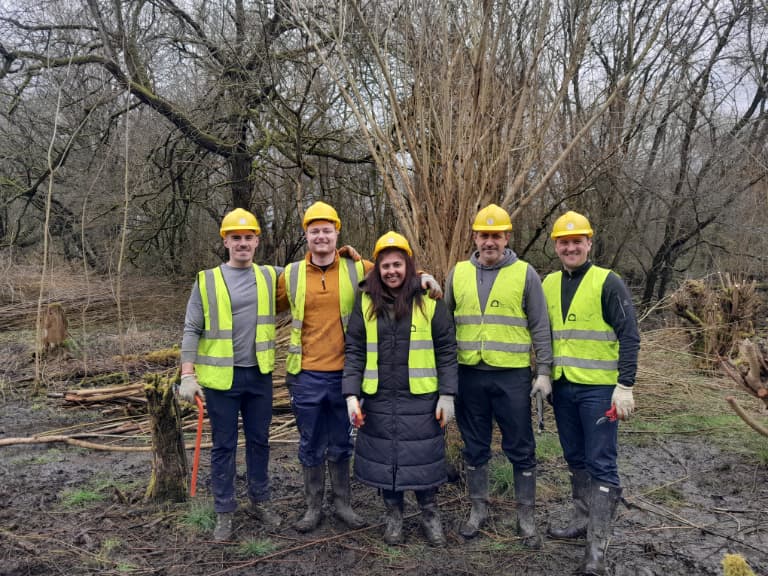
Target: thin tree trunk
[(169, 462)]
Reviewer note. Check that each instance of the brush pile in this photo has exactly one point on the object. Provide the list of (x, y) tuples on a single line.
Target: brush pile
[(719, 314)]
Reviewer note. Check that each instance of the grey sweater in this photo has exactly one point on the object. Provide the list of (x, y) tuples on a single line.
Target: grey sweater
[(241, 285), (534, 306)]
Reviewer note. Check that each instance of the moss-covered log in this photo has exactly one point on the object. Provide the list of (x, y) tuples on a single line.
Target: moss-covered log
[(169, 462)]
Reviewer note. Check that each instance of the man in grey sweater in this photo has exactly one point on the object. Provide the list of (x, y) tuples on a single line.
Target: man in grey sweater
[(500, 313), (228, 349)]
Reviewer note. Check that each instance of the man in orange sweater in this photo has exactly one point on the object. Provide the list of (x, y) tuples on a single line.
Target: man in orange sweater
[(320, 291)]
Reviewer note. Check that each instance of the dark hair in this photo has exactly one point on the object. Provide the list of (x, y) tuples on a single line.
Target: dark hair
[(401, 302)]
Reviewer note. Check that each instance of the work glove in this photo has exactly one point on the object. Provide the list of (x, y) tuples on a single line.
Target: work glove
[(428, 282), (354, 412), (347, 251), (445, 410), (189, 388), (542, 384), (624, 401)]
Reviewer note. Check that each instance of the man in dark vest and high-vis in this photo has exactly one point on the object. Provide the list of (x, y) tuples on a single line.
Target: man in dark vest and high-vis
[(500, 316), (595, 343), (228, 350)]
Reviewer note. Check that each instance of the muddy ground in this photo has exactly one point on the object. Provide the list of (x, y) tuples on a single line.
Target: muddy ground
[(687, 503), (708, 503)]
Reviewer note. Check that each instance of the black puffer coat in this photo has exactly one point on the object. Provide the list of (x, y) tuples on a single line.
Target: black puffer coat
[(401, 446)]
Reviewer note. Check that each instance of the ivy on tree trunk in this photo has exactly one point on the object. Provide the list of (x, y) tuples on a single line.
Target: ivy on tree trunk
[(169, 462)]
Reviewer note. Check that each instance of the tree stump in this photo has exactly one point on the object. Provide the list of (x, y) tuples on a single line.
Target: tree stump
[(169, 461), (55, 330)]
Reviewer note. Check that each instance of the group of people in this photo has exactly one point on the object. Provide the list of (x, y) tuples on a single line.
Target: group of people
[(376, 346)]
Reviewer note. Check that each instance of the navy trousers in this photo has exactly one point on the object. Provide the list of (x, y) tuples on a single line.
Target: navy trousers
[(503, 395), (321, 417), (251, 397)]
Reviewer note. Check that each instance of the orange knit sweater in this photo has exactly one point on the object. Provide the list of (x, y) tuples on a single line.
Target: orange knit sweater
[(322, 337)]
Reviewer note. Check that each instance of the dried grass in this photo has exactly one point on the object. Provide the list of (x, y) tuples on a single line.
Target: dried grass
[(89, 304)]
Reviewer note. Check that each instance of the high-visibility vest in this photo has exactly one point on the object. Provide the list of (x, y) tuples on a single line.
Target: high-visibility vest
[(296, 289), (499, 334), (215, 362), (422, 366), (584, 345)]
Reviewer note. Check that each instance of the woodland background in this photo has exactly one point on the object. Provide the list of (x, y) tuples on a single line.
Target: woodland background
[(129, 127)]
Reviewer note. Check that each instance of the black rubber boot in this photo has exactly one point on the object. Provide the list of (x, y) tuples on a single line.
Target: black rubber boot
[(430, 517), (602, 507), (525, 494), (393, 531), (342, 494), (577, 525), (477, 484), (223, 530), (263, 512), (314, 486)]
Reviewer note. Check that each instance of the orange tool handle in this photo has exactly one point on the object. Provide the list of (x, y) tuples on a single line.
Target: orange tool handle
[(198, 440)]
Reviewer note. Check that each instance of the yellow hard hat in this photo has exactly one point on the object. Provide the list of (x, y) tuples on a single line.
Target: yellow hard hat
[(321, 211), (392, 240), (492, 218), (571, 224), (239, 219)]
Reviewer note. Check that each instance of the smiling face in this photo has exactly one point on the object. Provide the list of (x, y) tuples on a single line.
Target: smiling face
[(392, 269), (490, 245), (242, 246), (573, 251), (321, 238)]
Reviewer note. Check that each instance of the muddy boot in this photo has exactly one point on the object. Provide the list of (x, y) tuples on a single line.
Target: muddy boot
[(477, 484), (525, 494), (314, 484), (342, 494), (264, 514), (602, 507), (430, 517), (223, 530), (577, 525), (393, 531)]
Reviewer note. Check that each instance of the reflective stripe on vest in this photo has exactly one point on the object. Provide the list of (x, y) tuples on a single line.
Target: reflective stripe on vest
[(296, 289), (498, 335), (215, 352), (585, 346), (422, 366)]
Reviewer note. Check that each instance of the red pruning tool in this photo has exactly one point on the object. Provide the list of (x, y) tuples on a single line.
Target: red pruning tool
[(610, 416)]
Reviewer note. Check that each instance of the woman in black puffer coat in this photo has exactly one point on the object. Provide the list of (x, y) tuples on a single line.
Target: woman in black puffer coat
[(405, 379)]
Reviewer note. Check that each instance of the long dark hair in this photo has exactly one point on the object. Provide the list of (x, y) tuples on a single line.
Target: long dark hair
[(381, 296)]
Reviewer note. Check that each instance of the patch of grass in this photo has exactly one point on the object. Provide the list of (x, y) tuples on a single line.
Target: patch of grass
[(50, 456), (256, 548), (668, 496), (548, 448), (200, 517), (392, 554), (110, 545), (80, 498), (501, 477), (727, 431)]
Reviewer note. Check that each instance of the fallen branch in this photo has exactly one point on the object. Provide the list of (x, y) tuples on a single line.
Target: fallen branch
[(746, 417)]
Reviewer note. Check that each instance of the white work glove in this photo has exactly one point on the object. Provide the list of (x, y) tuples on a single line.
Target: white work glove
[(445, 410), (541, 384), (189, 388), (624, 401), (428, 282), (354, 412)]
